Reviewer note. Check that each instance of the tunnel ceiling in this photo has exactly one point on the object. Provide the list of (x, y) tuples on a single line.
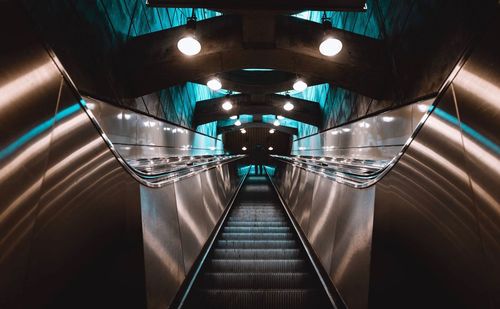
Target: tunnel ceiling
[(256, 54)]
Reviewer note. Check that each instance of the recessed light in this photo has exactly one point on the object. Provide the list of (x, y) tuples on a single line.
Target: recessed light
[(272, 131), (244, 148), (233, 117), (288, 106), (189, 46), (276, 123), (227, 105), (299, 85), (214, 84), (270, 148), (237, 123)]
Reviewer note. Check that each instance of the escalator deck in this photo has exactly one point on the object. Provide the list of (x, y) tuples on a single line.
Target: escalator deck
[(257, 260)]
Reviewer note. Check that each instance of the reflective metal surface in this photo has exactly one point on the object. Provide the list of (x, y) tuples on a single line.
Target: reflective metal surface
[(162, 245)]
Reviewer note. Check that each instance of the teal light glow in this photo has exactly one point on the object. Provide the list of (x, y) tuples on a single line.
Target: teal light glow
[(38, 130), (271, 170), (468, 130), (258, 70)]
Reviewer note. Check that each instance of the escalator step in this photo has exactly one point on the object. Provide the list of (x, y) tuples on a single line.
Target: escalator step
[(256, 224), (257, 244), (257, 280), (243, 299), (257, 236), (257, 254), (265, 219), (237, 265), (279, 229)]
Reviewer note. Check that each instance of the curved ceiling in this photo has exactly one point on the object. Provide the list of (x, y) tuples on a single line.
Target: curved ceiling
[(249, 125), (211, 110), (235, 42)]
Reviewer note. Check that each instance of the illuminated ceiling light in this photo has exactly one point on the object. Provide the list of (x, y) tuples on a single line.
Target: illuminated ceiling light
[(244, 148), (299, 85), (387, 119), (280, 117), (243, 131), (214, 84), (272, 131), (270, 148), (276, 123), (237, 123), (233, 117), (330, 46), (288, 106), (346, 129), (227, 105), (189, 45), (119, 116)]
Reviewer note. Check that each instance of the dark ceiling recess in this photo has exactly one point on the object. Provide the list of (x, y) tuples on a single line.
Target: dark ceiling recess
[(271, 104), (235, 42), (256, 138), (267, 126), (277, 5)]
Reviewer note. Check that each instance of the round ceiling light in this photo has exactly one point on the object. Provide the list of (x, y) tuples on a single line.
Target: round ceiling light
[(189, 46), (299, 85), (243, 131), (270, 148), (227, 105), (276, 123), (244, 148), (214, 84), (237, 123), (233, 117), (330, 47), (280, 117), (272, 131), (288, 106)]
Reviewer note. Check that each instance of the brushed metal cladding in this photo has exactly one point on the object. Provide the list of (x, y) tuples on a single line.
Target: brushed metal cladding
[(163, 260), (426, 245), (477, 93), (304, 200), (219, 173), (211, 199), (29, 84), (193, 222), (350, 265), (88, 212), (323, 218), (291, 198)]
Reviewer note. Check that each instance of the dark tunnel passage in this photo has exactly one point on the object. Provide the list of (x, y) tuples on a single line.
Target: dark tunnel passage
[(249, 154)]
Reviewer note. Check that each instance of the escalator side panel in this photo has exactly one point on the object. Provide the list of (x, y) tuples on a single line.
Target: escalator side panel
[(88, 219), (339, 230), (426, 244), (164, 264)]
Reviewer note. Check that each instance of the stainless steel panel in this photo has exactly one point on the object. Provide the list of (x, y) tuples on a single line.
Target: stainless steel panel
[(88, 213), (29, 86), (323, 218), (477, 93), (164, 264), (211, 198), (304, 199), (425, 228), (350, 265), (192, 218), (291, 198)]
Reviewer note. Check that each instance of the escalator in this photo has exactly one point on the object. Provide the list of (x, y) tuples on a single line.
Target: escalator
[(257, 260)]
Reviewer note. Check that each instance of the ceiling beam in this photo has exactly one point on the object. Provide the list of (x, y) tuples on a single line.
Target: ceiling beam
[(284, 129), (152, 62), (272, 104), (274, 5)]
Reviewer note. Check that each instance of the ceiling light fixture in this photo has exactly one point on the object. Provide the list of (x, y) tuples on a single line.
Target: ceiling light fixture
[(227, 105), (272, 131), (280, 117), (330, 46), (237, 123), (276, 123), (244, 148), (189, 45), (270, 148), (288, 106), (243, 131), (233, 117), (214, 84), (299, 85)]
